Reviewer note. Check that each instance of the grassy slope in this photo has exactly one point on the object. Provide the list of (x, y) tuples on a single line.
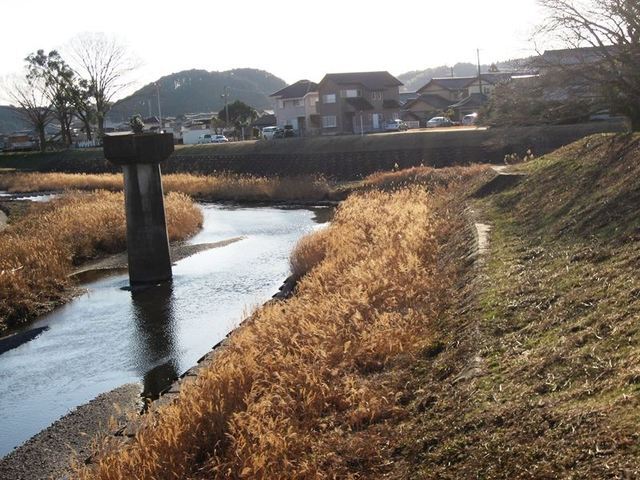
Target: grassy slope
[(554, 322)]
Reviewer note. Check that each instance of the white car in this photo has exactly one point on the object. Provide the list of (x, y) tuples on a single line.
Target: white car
[(436, 122), (209, 138), (470, 119), (269, 132), (395, 126)]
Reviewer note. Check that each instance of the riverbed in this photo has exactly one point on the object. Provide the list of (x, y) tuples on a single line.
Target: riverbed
[(110, 336)]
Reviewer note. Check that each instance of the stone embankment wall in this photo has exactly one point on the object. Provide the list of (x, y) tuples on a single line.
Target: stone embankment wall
[(343, 158)]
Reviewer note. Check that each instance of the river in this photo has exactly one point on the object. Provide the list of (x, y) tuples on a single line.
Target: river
[(108, 336)]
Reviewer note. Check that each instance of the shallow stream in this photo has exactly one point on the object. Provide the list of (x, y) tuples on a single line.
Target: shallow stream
[(108, 336)]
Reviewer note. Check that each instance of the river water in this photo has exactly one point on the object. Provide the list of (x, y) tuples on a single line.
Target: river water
[(108, 336)]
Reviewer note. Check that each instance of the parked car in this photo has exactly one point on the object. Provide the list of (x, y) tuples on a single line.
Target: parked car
[(437, 122), (289, 131), (470, 119), (395, 126), (269, 132), (210, 138), (279, 133)]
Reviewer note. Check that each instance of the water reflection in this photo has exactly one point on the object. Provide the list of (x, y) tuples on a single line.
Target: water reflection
[(155, 323)]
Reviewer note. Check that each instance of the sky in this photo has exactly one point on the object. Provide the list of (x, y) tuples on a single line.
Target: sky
[(291, 39)]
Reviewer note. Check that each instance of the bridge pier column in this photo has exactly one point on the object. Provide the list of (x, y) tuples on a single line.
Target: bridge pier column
[(140, 155)]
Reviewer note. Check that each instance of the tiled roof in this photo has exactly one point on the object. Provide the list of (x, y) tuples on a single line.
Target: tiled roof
[(359, 103), (297, 90), (450, 83), (472, 101), (370, 80), (436, 101)]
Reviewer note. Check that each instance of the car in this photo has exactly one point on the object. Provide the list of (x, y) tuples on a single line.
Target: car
[(289, 131), (269, 132), (395, 126), (437, 122), (219, 139), (470, 119)]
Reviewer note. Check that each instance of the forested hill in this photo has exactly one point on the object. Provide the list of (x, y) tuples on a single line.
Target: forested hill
[(193, 91), (10, 121)]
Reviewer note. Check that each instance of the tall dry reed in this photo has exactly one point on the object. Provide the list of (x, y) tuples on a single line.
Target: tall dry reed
[(38, 252), (223, 186), (285, 396)]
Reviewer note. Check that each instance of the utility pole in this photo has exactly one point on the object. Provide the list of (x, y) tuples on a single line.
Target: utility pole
[(479, 73), (159, 110), (225, 95)]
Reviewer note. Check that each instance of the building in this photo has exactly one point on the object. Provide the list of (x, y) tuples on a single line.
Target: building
[(357, 102), (462, 95), (295, 105)]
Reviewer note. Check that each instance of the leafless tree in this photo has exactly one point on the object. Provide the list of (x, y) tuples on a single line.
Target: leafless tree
[(605, 36), (30, 100), (105, 65)]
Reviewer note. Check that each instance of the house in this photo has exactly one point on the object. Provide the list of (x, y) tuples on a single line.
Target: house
[(463, 95), (295, 105), (424, 107), (357, 102)]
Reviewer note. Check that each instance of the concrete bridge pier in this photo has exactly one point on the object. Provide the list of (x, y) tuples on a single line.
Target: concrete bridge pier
[(140, 155)]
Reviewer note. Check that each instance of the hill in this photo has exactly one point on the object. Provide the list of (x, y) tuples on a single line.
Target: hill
[(192, 91), (10, 121)]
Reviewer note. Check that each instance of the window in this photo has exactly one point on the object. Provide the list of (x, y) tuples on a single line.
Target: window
[(298, 102), (329, 121), (281, 102), (350, 93), (329, 98), (376, 95)]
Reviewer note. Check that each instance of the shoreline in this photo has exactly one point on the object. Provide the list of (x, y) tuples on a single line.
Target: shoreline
[(47, 454)]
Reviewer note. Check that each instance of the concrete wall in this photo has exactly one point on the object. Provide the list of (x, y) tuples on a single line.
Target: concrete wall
[(343, 157)]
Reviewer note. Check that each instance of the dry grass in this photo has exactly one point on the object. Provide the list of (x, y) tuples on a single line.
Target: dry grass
[(38, 252), (299, 391), (224, 186), (426, 176)]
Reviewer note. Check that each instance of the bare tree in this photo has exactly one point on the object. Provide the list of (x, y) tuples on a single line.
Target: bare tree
[(610, 63), (105, 65), (30, 100)]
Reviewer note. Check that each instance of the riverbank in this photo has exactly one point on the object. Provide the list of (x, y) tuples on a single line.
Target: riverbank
[(47, 454), (40, 249)]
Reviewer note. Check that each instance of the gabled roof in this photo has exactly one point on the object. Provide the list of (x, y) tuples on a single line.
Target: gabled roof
[(436, 101), (450, 83), (574, 56), (369, 80), (297, 90), (472, 101)]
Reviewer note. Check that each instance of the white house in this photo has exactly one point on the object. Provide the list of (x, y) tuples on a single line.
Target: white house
[(295, 105)]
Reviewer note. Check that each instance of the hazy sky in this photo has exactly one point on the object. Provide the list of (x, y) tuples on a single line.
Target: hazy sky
[(291, 39)]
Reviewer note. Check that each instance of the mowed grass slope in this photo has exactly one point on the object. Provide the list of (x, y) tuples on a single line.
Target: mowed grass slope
[(316, 386), (541, 374), (38, 252)]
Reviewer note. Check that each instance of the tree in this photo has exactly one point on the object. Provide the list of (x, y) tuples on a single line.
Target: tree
[(240, 115), (611, 64), (31, 101), (58, 79), (104, 64)]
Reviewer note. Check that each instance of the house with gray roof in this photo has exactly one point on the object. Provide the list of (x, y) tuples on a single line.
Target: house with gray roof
[(358, 102), (295, 105)]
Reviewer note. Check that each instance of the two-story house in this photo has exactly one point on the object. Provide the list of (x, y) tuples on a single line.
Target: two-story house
[(357, 102), (295, 105)]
